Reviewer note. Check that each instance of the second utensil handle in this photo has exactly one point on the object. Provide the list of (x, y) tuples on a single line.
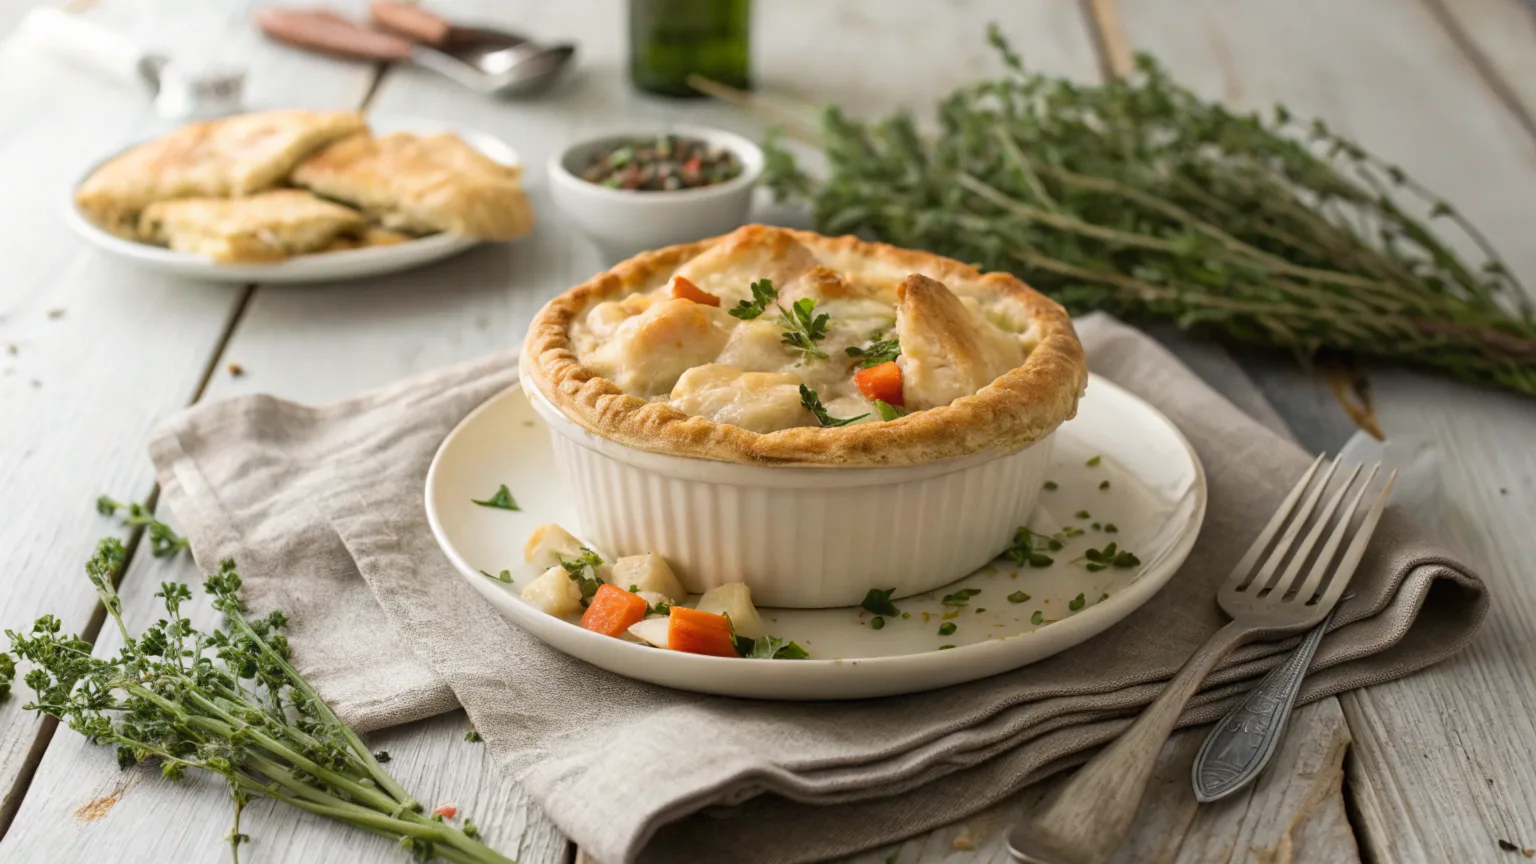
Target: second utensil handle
[(1242, 743)]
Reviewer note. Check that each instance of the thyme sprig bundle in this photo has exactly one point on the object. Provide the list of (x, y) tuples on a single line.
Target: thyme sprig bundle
[(1138, 197), (226, 702)]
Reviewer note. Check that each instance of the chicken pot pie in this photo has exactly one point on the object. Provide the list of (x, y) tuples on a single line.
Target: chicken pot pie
[(231, 157), (422, 185), (269, 226), (787, 347)]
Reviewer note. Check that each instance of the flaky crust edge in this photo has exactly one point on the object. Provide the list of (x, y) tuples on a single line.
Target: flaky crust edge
[(1016, 410)]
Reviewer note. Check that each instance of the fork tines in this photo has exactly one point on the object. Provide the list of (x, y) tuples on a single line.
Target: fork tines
[(1264, 582)]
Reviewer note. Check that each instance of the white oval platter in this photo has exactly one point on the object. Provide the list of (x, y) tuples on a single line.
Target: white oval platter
[(1155, 500), (323, 267)]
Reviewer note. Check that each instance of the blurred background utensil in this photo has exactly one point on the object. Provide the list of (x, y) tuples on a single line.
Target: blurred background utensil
[(494, 62), (182, 86)]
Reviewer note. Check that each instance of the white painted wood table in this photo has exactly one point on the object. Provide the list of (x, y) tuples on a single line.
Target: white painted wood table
[(1435, 767)]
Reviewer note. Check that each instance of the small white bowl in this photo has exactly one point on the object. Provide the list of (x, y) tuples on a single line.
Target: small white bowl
[(625, 222), (800, 537)]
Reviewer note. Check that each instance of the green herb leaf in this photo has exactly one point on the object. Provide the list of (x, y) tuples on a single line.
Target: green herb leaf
[(1018, 597), (1050, 486), (877, 623), (583, 571), (812, 403), (1109, 528), (945, 647), (961, 597), (504, 576), (879, 602), (775, 648), (1084, 514), (1093, 461), (763, 293), (1038, 618), (1039, 560), (163, 542), (879, 351), (1077, 603), (502, 500), (947, 628), (473, 737), (889, 412), (803, 328), (1104, 484)]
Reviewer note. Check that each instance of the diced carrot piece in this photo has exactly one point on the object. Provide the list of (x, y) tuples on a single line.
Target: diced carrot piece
[(881, 382), (700, 633), (447, 811), (682, 289), (613, 611)]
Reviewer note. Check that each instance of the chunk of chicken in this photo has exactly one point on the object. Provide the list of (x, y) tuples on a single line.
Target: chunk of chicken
[(647, 353), (550, 544), (729, 267), (948, 350), (755, 401)]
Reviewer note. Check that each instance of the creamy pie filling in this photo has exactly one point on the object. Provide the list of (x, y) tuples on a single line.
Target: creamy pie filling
[(678, 342)]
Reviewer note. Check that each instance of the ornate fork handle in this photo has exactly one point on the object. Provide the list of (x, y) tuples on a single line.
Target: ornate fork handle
[(1241, 744)]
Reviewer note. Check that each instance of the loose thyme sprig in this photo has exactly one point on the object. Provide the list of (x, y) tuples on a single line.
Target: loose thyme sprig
[(803, 328), (227, 702), (163, 542), (879, 351), (1141, 198)]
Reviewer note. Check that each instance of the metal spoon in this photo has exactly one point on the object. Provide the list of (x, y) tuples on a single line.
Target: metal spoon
[(492, 62)]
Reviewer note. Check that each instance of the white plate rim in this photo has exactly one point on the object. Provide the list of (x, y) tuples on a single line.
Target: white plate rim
[(1076, 628), (350, 263)]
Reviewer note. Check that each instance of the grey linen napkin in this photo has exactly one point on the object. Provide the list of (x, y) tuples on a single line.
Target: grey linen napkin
[(322, 508)]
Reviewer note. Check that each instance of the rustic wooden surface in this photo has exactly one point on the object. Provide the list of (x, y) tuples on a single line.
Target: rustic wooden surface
[(1436, 770)]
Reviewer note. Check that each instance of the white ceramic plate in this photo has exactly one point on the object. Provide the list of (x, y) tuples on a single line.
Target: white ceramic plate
[(325, 267), (1156, 501)]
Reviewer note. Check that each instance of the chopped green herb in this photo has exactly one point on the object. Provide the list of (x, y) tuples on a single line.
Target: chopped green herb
[(662, 608), (879, 351), (1084, 514), (812, 403), (879, 602), (803, 328), (763, 293), (1103, 597), (1097, 526), (634, 589), (1070, 531), (1094, 566), (1104, 484), (1110, 555), (473, 737), (1050, 486), (877, 623), (1109, 528), (381, 756), (947, 628), (961, 597), (775, 648), (470, 829), (1038, 618), (906, 615), (945, 647), (889, 412), (503, 576), (980, 609), (502, 500), (1018, 597), (1094, 461), (583, 571), (1041, 560), (1077, 603)]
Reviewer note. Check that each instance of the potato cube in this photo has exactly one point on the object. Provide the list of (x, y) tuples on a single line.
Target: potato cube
[(555, 592), (548, 544), (647, 572)]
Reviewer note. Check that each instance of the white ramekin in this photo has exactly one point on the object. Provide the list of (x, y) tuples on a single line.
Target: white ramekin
[(797, 536), (624, 222)]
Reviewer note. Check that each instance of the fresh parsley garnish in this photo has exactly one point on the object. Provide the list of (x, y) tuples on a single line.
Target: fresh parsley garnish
[(1083, 514), (1093, 461), (947, 628), (1109, 556), (763, 293), (879, 602), (1109, 528), (1050, 486), (812, 403), (803, 328), (1077, 603), (877, 623), (473, 737), (1104, 484), (504, 576), (163, 541), (889, 412), (1038, 618), (961, 597), (502, 500), (1018, 597), (583, 571), (1022, 550), (772, 648), (879, 351)]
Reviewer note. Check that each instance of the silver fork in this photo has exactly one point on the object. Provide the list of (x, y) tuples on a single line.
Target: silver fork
[(1086, 820)]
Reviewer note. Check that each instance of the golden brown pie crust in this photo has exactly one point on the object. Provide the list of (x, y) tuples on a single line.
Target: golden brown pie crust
[(1015, 410)]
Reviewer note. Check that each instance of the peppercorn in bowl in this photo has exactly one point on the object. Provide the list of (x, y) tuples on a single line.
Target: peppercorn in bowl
[(811, 416), (636, 191)]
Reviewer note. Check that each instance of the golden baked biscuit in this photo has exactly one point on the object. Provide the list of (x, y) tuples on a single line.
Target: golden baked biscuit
[(268, 226)]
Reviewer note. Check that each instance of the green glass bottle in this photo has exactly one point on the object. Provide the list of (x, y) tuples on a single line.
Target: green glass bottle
[(670, 39)]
